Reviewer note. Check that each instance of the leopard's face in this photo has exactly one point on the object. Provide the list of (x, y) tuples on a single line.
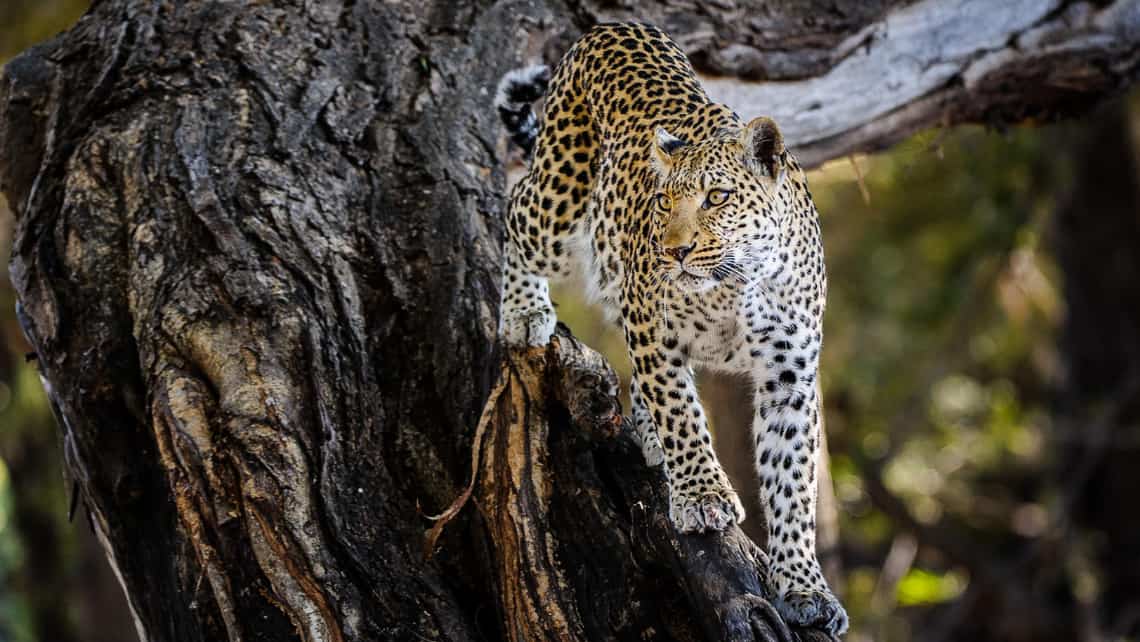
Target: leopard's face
[(718, 209)]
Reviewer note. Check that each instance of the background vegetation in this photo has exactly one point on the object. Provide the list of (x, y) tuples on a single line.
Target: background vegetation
[(54, 581), (965, 455)]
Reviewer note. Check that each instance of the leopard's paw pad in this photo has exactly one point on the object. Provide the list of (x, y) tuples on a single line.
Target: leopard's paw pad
[(814, 609)]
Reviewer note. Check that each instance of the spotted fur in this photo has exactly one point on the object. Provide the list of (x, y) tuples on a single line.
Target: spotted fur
[(699, 228)]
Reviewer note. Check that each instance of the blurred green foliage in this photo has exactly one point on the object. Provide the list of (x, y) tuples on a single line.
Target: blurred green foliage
[(31, 459), (920, 587), (939, 345), (38, 548), (24, 23)]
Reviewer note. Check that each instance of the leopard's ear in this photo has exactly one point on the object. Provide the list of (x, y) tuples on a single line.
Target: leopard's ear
[(764, 150), (664, 144)]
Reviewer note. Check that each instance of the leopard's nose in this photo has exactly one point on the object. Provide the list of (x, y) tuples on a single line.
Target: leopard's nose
[(679, 252)]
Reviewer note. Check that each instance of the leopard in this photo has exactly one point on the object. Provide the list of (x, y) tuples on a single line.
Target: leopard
[(698, 231)]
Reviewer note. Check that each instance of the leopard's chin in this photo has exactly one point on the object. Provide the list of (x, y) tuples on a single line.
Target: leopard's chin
[(690, 283)]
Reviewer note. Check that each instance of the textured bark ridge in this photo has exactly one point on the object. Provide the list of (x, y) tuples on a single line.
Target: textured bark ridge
[(258, 254)]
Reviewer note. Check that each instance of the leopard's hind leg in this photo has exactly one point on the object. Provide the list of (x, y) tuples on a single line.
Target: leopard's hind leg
[(546, 220)]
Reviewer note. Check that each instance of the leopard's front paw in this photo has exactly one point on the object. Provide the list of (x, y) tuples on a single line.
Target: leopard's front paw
[(707, 510), (813, 609), (529, 328)]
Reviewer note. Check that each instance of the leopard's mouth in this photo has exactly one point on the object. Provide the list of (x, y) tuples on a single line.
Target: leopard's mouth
[(691, 282)]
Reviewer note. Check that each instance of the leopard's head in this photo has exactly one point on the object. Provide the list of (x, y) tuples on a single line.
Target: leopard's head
[(722, 205)]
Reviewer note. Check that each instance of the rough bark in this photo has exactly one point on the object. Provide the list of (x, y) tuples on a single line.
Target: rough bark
[(258, 253)]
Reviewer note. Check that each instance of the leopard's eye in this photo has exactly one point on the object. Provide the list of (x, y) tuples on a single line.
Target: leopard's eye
[(718, 197), (664, 202)]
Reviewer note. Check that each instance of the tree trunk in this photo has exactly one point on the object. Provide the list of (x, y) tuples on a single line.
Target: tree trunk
[(258, 256), (1097, 233)]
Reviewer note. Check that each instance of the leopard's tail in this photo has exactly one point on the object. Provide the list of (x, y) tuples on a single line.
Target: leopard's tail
[(518, 89)]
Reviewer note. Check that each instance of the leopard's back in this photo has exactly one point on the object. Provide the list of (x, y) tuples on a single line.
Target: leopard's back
[(584, 198)]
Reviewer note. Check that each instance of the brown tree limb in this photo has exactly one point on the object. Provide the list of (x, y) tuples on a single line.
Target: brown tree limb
[(862, 76)]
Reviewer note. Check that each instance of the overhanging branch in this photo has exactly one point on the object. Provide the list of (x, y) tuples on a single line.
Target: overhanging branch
[(944, 63), (848, 77)]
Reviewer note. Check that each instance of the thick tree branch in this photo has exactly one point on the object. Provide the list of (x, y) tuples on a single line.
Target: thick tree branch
[(870, 74), (752, 39), (944, 63)]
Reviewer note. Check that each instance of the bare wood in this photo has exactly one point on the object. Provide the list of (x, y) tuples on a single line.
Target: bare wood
[(944, 63)]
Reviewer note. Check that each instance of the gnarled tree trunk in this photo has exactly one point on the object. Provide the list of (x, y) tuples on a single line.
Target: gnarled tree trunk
[(258, 257)]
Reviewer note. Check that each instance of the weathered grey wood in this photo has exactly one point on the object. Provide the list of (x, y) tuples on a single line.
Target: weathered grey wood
[(943, 62)]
